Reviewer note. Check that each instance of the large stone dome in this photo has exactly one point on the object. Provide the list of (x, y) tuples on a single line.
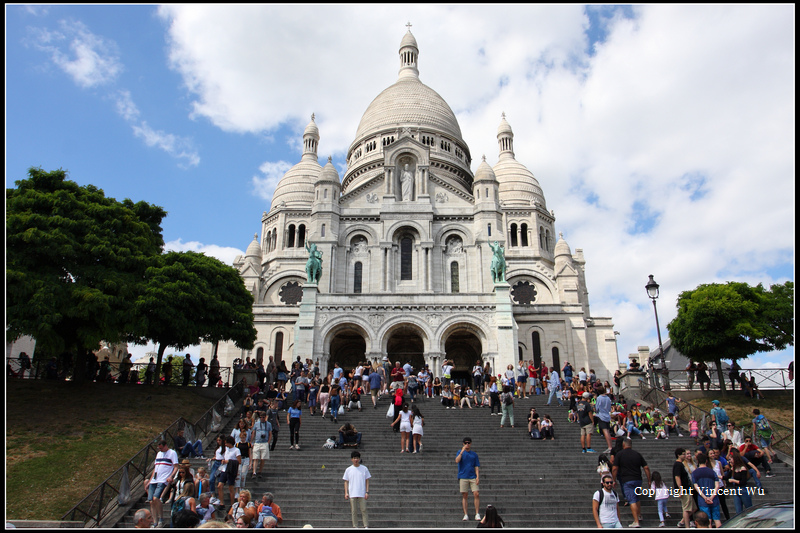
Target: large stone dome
[(408, 102)]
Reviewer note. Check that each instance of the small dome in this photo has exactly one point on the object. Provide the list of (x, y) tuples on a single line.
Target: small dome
[(296, 188), (312, 129), (562, 248), (409, 40), (328, 174), (504, 128), (484, 172), (254, 250)]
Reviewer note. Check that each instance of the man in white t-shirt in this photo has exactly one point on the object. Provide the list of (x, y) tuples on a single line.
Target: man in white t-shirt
[(356, 488), (164, 471), (606, 513), (228, 471)]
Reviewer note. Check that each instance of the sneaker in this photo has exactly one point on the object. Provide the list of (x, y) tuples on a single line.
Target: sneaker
[(644, 438), (583, 450), (680, 434), (477, 516), (770, 474), (296, 446), (680, 524), (607, 451), (662, 524), (291, 447), (634, 525), (589, 450), (666, 515), (465, 518)]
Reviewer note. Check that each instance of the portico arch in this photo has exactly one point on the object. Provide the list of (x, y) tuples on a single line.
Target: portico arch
[(463, 346), (405, 342)]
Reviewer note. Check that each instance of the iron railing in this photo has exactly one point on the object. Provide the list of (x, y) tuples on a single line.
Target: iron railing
[(783, 437), (115, 491), (136, 375), (766, 379)]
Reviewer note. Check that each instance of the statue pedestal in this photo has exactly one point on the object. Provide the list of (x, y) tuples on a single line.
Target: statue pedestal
[(304, 327), (507, 343)]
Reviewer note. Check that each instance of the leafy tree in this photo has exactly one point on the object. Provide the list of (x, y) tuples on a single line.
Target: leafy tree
[(75, 259), (731, 321), (188, 298)]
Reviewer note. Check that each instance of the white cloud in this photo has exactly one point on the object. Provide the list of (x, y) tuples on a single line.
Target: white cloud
[(272, 172), (178, 147), (225, 254), (89, 59), (668, 151)]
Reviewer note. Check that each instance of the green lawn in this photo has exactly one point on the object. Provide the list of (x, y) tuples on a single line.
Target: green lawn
[(62, 439)]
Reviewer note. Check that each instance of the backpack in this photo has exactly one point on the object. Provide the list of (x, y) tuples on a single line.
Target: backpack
[(721, 416), (602, 496), (508, 399), (536, 434), (178, 505), (762, 427)]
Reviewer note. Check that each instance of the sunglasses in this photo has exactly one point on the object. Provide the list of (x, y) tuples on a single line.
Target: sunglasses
[(608, 482)]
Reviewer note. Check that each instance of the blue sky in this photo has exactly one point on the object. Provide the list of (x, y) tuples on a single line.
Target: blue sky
[(663, 136)]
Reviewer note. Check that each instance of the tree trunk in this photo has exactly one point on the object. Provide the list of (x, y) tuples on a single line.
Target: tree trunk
[(157, 377), (721, 378)]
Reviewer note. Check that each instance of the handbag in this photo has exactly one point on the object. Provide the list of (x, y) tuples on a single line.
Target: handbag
[(390, 412), (536, 434), (341, 409)]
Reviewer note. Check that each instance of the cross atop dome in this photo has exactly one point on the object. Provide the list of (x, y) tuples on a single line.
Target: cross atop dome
[(408, 25)]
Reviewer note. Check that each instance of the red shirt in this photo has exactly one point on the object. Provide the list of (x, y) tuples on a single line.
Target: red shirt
[(532, 372), (744, 448)]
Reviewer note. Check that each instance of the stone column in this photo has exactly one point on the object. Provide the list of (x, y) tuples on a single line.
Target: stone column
[(304, 327), (506, 327)]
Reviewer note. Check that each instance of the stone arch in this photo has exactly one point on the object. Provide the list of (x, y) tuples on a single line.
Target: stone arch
[(546, 290), (346, 236), (272, 287), (463, 342), (346, 343), (406, 341), (393, 232), (452, 229)]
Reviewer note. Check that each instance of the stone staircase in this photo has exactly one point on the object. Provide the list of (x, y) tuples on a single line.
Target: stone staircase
[(531, 483)]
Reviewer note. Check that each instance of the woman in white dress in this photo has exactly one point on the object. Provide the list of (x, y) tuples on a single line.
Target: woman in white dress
[(416, 431), (406, 419)]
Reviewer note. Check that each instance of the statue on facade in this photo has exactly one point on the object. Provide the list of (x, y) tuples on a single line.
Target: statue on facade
[(406, 183), (314, 263), (498, 263)]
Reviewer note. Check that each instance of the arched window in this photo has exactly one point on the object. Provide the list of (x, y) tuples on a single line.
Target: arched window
[(556, 359), (290, 237), (523, 235), (260, 355), (322, 231), (513, 234), (301, 236), (541, 239), (548, 242), (454, 283), (406, 263), (278, 347), (274, 238), (489, 230), (537, 350), (357, 270)]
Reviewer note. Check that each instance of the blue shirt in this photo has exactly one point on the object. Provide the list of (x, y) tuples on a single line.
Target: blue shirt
[(466, 467), (294, 413), (705, 478), (337, 372), (603, 408), (264, 429), (374, 380)]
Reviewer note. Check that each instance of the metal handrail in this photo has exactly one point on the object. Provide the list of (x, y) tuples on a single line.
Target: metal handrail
[(103, 500), (658, 399), (38, 371), (766, 379)]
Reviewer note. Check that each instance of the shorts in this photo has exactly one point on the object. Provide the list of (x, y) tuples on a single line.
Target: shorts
[(587, 430), (228, 477), (260, 451), (712, 511), (688, 504), (467, 485), (629, 489), (531, 382), (405, 427), (375, 392), (154, 490), (602, 424), (521, 379), (765, 442)]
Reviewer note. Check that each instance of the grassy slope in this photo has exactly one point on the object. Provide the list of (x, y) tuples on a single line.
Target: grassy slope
[(62, 440)]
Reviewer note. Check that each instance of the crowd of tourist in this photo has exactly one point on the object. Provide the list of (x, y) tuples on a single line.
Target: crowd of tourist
[(722, 457)]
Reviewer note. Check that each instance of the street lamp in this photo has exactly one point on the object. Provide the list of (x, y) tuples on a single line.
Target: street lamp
[(652, 292)]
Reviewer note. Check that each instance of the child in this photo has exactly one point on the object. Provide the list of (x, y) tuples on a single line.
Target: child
[(661, 492), (547, 428), (693, 430), (661, 433), (603, 465), (202, 482)]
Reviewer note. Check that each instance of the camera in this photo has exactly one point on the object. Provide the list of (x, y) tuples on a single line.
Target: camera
[(263, 435)]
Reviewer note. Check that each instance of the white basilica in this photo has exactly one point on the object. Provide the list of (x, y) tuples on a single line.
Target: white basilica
[(406, 237)]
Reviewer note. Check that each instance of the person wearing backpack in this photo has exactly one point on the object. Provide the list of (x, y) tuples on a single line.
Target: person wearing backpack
[(605, 505), (763, 432), (185, 501), (719, 414), (507, 405)]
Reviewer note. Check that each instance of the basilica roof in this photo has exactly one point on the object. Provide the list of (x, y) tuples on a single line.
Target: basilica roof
[(296, 188)]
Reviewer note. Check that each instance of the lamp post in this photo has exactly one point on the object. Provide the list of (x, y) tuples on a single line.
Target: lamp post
[(652, 292)]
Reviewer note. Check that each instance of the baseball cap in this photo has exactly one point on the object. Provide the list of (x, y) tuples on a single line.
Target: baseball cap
[(715, 402), (587, 395)]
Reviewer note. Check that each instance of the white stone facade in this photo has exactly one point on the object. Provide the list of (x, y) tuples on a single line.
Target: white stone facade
[(405, 237)]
